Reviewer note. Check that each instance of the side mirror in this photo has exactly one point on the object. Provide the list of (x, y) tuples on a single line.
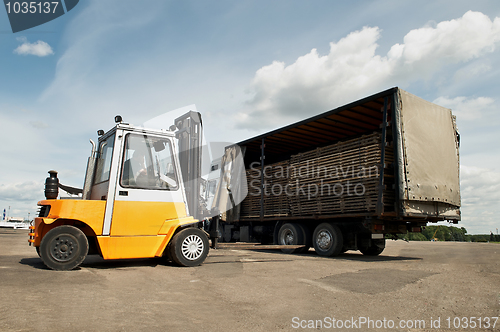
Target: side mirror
[(158, 146)]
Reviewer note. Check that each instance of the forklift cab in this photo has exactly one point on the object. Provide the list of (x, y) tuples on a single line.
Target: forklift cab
[(136, 171)]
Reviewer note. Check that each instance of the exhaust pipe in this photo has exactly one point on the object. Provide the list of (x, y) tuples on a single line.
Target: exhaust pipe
[(52, 186)]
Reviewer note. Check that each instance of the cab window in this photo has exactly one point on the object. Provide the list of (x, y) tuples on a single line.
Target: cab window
[(104, 159), (148, 163)]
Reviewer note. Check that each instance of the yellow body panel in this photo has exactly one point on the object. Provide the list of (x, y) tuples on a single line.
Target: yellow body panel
[(120, 247), (138, 229), (169, 224), (132, 218), (90, 212)]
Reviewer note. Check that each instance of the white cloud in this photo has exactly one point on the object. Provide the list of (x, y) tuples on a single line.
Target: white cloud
[(457, 40), (352, 69), (480, 190), (471, 70), (466, 108), (314, 82), (21, 191), (38, 48)]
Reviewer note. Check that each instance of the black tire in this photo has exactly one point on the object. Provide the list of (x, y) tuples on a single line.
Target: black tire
[(38, 251), (327, 240), (189, 247), (63, 248), (375, 249), (291, 234), (166, 257), (307, 239)]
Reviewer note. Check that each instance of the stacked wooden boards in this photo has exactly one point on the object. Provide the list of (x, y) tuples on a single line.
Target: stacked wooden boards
[(276, 202), (343, 177)]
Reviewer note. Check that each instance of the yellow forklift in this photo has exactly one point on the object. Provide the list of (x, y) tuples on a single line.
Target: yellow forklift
[(139, 200)]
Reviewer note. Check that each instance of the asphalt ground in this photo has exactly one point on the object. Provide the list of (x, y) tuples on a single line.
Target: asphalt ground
[(416, 286)]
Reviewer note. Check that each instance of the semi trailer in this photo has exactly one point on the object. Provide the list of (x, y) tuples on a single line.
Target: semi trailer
[(346, 179), (343, 180)]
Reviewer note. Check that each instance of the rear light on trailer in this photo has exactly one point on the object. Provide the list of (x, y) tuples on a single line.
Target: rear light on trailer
[(378, 227), (416, 229)]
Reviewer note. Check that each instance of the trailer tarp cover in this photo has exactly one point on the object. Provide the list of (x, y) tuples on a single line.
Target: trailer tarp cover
[(430, 151)]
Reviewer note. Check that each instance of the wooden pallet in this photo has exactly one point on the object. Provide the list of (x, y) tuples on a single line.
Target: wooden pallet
[(339, 178)]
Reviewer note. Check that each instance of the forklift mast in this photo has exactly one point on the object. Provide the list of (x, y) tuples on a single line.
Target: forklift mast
[(189, 136)]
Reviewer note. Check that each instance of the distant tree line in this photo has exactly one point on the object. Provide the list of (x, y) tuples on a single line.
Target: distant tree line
[(449, 233)]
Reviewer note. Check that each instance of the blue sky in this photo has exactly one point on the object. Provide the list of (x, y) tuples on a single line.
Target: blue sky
[(249, 66)]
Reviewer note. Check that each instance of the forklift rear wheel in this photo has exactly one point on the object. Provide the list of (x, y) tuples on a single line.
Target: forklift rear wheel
[(327, 240), (63, 248), (189, 247)]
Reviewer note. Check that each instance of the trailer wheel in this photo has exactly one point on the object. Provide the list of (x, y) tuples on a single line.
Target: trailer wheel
[(327, 240), (291, 234), (375, 249), (307, 239), (189, 247), (63, 248)]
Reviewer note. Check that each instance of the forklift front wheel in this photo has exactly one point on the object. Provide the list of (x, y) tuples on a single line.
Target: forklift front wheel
[(189, 247), (63, 248)]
